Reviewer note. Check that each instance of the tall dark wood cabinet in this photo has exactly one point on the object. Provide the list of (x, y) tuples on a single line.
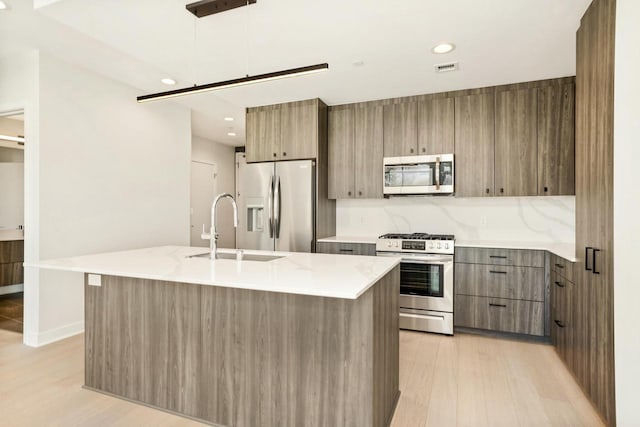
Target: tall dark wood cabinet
[(592, 302)]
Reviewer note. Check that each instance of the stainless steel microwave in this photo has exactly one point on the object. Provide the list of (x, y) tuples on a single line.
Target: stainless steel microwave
[(418, 175)]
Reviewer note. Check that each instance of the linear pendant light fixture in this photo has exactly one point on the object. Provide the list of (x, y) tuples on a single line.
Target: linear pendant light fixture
[(243, 81)]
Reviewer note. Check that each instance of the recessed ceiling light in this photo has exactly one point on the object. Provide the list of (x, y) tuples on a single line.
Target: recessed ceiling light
[(168, 81), (443, 48), (228, 119), (231, 133), (359, 63)]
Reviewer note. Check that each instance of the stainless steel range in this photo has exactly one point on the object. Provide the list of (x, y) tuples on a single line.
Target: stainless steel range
[(426, 279)]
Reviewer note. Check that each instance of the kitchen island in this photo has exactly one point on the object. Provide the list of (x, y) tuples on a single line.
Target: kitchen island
[(301, 340)]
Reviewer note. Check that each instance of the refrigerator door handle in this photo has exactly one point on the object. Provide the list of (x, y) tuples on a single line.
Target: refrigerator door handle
[(277, 204), (270, 206)]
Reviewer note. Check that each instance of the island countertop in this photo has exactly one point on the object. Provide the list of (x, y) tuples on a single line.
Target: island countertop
[(324, 275)]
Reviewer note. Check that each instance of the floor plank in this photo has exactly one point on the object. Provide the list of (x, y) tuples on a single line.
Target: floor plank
[(465, 380)]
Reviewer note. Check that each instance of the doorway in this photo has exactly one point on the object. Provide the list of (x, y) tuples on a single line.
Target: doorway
[(12, 221), (203, 191)]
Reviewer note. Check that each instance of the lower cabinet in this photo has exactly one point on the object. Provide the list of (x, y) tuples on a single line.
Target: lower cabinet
[(500, 290), (564, 323), (11, 259), (339, 248)]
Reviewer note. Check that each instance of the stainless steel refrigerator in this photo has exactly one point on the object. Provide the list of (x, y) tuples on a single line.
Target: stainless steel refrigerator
[(276, 204)]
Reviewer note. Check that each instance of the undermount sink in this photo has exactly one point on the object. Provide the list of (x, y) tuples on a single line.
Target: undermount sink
[(245, 257)]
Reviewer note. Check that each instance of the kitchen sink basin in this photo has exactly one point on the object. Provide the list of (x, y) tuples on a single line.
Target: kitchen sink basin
[(245, 257)]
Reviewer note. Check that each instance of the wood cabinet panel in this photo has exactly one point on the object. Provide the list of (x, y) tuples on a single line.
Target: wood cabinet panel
[(263, 135), (515, 316), (400, 129), (338, 248), (12, 251), (496, 256), (369, 147), (474, 145), (516, 151), (522, 283), (436, 126), (299, 131), (563, 267), (341, 154), (11, 274), (556, 140)]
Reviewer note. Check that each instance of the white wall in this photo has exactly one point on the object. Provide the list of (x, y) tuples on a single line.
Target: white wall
[(11, 195), (626, 152), (535, 219), (223, 156)]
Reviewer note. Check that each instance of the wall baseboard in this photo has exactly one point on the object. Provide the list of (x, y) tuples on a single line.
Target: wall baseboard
[(53, 335), (11, 289)]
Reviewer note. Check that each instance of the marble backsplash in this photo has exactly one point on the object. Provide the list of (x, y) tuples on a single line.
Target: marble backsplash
[(537, 219)]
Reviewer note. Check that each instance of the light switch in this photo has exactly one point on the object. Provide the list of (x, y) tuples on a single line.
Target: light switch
[(95, 280)]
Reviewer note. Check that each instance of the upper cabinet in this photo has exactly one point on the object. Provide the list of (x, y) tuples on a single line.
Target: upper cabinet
[(355, 152), (516, 159), (556, 140), (436, 126), (400, 129), (263, 135), (474, 145), (284, 131)]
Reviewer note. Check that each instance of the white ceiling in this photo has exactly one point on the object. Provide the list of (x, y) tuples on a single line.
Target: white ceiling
[(141, 41)]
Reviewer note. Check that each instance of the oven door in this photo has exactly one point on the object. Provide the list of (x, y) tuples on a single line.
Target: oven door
[(426, 281)]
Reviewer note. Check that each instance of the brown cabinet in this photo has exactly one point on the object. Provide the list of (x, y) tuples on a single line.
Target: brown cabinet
[(11, 259), (556, 140), (516, 150), (401, 129), (355, 152), (436, 126), (474, 145), (289, 131), (263, 135), (500, 289)]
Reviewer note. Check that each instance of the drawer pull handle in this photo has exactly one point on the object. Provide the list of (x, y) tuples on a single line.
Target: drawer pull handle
[(498, 256), (497, 272), (497, 305), (346, 250), (559, 284), (559, 265), (559, 323)]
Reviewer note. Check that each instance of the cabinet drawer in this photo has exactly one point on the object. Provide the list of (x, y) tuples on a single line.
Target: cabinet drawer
[(524, 283), (497, 314), (562, 317), (563, 267), (495, 256), (12, 251), (346, 248)]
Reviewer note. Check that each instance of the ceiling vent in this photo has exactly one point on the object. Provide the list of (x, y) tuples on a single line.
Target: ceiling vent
[(449, 66)]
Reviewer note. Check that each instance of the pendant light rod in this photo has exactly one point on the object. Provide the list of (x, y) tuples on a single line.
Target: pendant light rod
[(243, 81)]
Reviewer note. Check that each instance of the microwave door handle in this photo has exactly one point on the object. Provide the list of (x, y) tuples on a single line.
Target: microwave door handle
[(438, 173)]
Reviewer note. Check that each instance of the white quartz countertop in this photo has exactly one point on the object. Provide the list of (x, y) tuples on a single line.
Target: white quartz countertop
[(324, 275), (350, 239), (564, 250), (8, 235)]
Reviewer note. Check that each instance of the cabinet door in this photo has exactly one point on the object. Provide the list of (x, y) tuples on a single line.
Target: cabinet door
[(401, 129), (474, 145), (341, 153), (263, 135), (516, 143), (436, 126), (556, 142), (368, 152), (299, 132)]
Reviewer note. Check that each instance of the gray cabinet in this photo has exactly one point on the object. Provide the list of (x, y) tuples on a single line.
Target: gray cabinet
[(436, 126), (474, 145), (501, 290), (516, 160), (338, 248), (401, 129), (355, 152), (299, 131), (263, 135)]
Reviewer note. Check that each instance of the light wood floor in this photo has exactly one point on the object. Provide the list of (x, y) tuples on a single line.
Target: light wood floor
[(466, 380)]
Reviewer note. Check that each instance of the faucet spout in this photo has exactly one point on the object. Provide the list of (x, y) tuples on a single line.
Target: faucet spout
[(213, 234)]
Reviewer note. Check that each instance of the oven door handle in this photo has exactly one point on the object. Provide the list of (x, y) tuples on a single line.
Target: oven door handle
[(421, 316)]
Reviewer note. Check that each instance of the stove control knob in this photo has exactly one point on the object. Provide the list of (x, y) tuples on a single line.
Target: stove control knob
[(388, 244), (446, 246), (397, 245), (438, 245), (430, 245)]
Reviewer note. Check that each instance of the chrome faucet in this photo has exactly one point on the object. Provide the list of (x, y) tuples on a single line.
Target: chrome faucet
[(213, 235)]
